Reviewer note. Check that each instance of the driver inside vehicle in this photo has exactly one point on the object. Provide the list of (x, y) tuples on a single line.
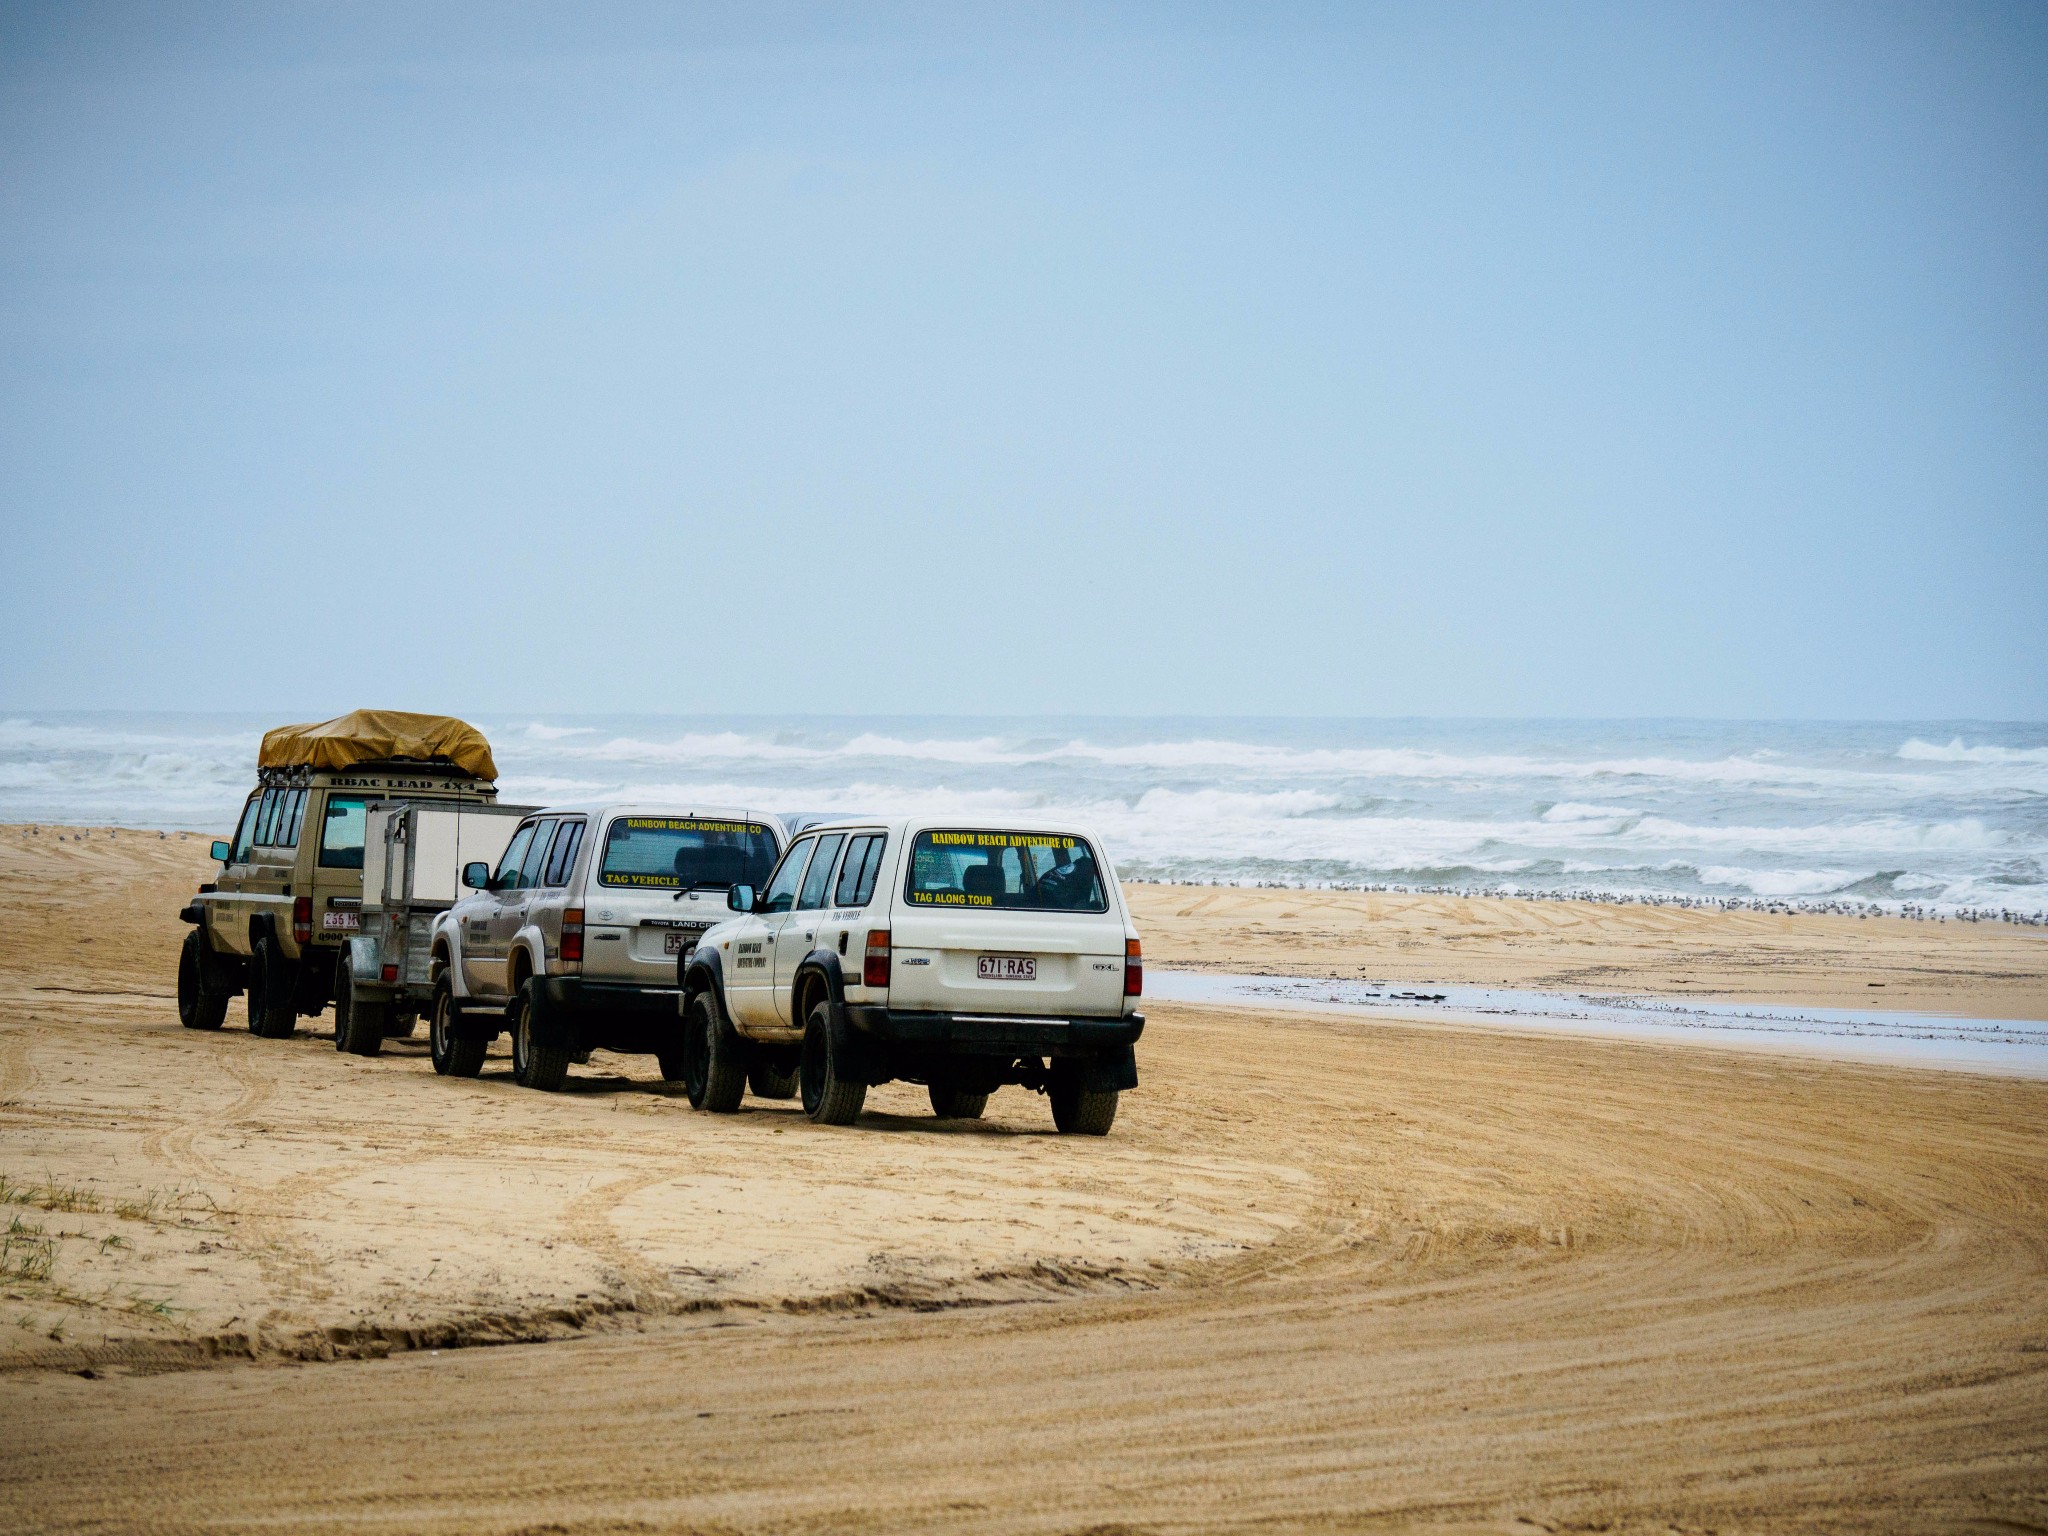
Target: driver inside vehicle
[(1071, 880)]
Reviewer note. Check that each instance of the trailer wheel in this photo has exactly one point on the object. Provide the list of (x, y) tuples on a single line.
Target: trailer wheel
[(534, 1065), (1079, 1111), (358, 1025), (714, 1060), (199, 1006), (953, 1103), (453, 1057), (829, 1099), (273, 992)]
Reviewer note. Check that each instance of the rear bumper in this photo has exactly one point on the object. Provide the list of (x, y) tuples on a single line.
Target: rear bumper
[(985, 1034), (576, 996)]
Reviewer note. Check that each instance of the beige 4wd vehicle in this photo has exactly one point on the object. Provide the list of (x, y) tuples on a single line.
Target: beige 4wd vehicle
[(290, 888)]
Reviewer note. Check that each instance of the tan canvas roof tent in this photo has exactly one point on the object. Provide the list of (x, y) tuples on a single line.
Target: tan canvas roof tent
[(379, 736)]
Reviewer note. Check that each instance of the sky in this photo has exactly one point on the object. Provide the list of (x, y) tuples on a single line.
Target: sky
[(1500, 360)]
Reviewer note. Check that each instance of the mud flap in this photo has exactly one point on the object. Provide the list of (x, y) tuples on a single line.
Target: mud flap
[(553, 1023), (853, 1056), (1116, 1069)]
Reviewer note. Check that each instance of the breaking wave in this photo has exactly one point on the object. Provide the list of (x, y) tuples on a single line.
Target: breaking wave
[(1943, 813)]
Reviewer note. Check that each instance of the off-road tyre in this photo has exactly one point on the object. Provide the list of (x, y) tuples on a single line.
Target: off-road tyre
[(404, 1024), (453, 1056), (1079, 1111), (199, 1006), (714, 1057), (273, 992), (766, 1081), (358, 1026), (829, 1099), (534, 1065), (951, 1103)]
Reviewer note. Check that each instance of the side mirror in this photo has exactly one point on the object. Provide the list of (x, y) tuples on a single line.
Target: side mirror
[(220, 851), (477, 876), (740, 898)]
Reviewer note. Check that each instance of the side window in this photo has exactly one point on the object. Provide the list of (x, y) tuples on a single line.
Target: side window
[(821, 873), (295, 813), (857, 874), (781, 892), (245, 833), (536, 855), (507, 877), (266, 818), (568, 838), (341, 832)]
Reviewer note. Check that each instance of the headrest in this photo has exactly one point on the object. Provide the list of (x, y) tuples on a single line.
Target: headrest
[(981, 880)]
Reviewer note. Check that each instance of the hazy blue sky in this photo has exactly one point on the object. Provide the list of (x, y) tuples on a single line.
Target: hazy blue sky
[(1518, 359)]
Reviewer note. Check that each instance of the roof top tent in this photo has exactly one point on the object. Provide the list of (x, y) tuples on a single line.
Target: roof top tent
[(437, 746)]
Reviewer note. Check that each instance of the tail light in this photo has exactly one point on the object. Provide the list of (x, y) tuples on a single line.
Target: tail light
[(1134, 969), (874, 965), (572, 936), (302, 920), (390, 974)]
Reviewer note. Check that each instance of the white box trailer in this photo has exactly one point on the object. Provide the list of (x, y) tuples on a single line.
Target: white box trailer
[(413, 856)]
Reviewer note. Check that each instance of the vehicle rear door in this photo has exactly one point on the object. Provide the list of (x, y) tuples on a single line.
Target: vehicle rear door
[(551, 897), (843, 925), (509, 915), (1006, 923)]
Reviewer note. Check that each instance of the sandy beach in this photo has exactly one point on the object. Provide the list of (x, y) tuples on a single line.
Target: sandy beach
[(1327, 1274)]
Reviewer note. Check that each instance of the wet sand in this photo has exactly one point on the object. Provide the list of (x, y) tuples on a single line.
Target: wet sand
[(1326, 1274), (1982, 970)]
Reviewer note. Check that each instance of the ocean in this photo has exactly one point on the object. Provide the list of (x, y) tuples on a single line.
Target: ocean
[(1937, 817)]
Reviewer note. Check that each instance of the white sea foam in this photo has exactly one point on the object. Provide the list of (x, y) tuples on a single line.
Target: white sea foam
[(1775, 812), (1920, 751)]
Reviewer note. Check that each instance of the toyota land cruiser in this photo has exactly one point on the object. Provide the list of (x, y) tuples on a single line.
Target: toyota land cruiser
[(959, 955), (571, 943)]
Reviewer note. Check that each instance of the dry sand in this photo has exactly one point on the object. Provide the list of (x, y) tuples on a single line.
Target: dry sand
[(1326, 1274)]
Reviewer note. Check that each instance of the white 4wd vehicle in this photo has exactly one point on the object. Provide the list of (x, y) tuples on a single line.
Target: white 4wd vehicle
[(572, 942), (959, 955)]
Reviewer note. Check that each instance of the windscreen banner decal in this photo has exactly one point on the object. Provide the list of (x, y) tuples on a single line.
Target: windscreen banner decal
[(677, 824), (1000, 840)]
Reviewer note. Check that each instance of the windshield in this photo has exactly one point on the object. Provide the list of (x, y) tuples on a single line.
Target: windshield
[(673, 853), (1038, 871)]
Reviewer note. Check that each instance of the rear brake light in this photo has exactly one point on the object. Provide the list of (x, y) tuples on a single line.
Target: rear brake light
[(302, 920), (874, 965), (572, 935), (1134, 969), (390, 974)]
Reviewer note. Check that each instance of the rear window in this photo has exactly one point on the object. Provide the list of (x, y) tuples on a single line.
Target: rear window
[(673, 853), (1034, 871), (857, 874), (341, 833)]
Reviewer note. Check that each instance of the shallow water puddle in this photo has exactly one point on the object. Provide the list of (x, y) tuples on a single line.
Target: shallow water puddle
[(2008, 1046)]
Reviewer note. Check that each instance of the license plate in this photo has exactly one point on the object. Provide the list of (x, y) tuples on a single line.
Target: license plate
[(1007, 968), (346, 922), (676, 940)]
